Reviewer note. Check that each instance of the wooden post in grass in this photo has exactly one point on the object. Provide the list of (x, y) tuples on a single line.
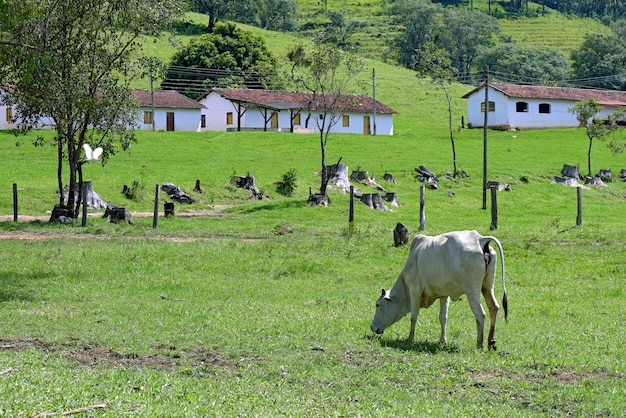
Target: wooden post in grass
[(494, 208), (14, 202), (579, 217), (351, 216), (85, 190), (155, 218), (422, 211)]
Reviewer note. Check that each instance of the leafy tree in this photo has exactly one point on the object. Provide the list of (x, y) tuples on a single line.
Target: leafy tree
[(420, 24), (467, 32), (601, 59), (342, 28), (317, 69), (529, 63), (435, 62), (277, 14), (218, 10), (73, 62), (586, 112), (228, 57)]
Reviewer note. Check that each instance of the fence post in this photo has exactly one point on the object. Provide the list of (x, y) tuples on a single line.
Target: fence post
[(84, 221), (422, 211), (14, 202), (155, 218), (494, 208), (351, 216), (579, 217)]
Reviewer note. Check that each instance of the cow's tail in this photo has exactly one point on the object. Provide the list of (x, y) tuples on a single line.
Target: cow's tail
[(485, 246)]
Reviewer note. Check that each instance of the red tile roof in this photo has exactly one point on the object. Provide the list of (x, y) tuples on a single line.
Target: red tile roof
[(166, 99), (603, 97), (358, 103)]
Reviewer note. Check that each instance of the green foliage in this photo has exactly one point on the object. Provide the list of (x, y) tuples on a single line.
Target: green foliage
[(288, 183), (530, 64), (601, 59), (228, 57)]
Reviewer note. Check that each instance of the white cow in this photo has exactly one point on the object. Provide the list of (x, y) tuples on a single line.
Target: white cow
[(444, 267)]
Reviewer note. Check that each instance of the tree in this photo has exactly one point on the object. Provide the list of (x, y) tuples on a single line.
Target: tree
[(218, 10), (529, 63), (277, 14), (228, 57), (73, 62), (595, 128), (467, 32), (420, 23), (601, 58), (329, 74), (435, 62)]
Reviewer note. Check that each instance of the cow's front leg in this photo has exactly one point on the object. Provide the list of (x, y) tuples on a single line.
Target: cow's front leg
[(414, 313), (444, 303)]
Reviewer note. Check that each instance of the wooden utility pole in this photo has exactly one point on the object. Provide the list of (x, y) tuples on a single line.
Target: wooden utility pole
[(485, 135), (374, 94)]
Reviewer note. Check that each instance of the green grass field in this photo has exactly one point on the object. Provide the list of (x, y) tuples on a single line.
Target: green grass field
[(262, 308)]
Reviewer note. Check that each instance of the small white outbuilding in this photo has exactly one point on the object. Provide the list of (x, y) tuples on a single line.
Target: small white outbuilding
[(229, 109), (513, 106)]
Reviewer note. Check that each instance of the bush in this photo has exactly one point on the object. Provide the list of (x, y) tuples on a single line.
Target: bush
[(287, 185)]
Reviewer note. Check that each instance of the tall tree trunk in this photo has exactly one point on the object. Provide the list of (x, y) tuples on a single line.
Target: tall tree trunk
[(589, 156), (449, 99), (60, 172)]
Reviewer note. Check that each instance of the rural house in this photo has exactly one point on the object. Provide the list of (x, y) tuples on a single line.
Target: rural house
[(227, 109), (7, 113), (513, 106), (172, 111)]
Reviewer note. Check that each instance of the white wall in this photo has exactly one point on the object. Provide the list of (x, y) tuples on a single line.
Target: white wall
[(216, 108), (506, 114), (184, 119)]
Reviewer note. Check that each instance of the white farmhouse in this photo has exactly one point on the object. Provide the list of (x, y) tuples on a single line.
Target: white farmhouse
[(8, 117), (227, 109), (513, 106), (172, 111)]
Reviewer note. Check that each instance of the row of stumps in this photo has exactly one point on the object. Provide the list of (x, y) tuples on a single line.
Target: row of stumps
[(169, 207)]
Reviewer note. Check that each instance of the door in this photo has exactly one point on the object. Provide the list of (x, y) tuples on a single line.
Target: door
[(274, 120), (170, 121), (366, 125)]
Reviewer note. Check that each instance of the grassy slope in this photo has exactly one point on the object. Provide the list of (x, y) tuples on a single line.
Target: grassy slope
[(270, 315)]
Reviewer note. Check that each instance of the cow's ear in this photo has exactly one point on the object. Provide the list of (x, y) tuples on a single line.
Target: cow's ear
[(383, 293)]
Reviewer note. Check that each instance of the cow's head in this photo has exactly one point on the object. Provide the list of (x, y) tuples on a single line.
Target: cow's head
[(387, 312)]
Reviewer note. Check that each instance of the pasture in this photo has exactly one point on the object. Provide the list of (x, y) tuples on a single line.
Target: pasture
[(264, 309)]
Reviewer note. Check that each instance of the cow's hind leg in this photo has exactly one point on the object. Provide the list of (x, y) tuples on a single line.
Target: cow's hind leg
[(493, 307), (443, 317), (479, 314)]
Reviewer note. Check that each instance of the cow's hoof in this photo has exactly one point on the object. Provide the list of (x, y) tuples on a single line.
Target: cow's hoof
[(492, 346)]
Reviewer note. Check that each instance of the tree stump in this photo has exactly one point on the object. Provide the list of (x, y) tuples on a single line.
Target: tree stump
[(571, 171), (605, 175), (318, 199), (116, 214), (197, 188), (247, 182), (374, 201), (389, 178), (176, 193), (400, 235), (427, 177), (61, 214), (392, 198), (168, 208)]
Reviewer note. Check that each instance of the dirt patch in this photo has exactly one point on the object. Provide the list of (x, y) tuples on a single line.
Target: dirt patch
[(164, 357), (559, 375)]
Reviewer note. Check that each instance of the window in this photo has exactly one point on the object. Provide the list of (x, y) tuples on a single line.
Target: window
[(345, 120), (492, 106), (9, 114), (229, 118), (147, 117), (521, 107), (296, 119), (544, 108), (203, 121)]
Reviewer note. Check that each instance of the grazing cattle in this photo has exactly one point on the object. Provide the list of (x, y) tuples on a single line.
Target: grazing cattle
[(444, 267)]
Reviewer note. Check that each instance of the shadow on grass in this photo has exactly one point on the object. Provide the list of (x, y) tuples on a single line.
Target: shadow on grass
[(420, 346), (17, 286), (275, 206), (190, 29)]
